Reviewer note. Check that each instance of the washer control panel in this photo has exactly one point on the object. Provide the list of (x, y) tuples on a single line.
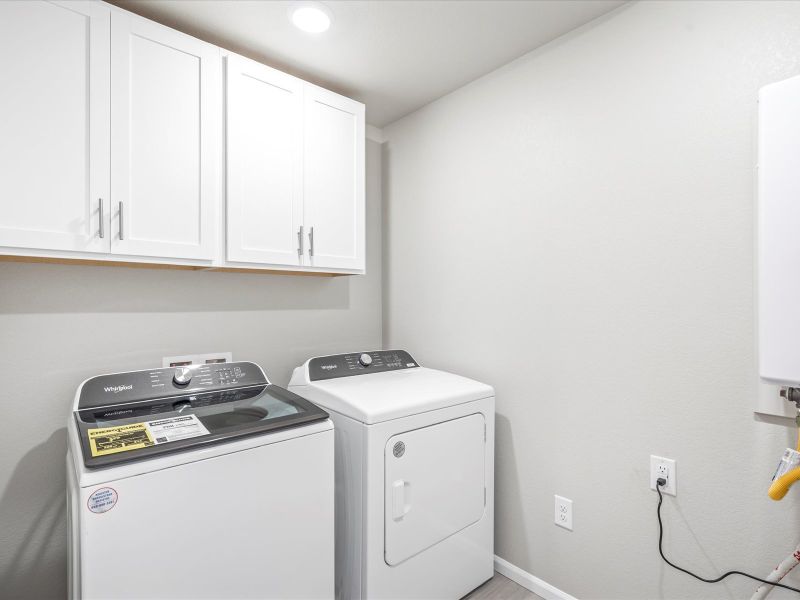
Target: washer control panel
[(359, 363), (121, 388)]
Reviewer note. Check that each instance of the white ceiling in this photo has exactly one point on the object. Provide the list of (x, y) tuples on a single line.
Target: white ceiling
[(393, 55)]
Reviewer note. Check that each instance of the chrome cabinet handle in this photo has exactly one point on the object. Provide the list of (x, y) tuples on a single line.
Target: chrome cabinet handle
[(300, 241), (120, 222), (311, 242), (101, 230)]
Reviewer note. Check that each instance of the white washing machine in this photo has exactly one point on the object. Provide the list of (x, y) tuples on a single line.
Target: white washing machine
[(199, 482), (414, 475)]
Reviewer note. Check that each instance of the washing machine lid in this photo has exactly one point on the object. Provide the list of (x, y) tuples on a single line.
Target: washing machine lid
[(391, 393), (139, 415)]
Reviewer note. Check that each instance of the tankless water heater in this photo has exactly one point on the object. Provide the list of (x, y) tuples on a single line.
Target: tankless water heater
[(779, 233)]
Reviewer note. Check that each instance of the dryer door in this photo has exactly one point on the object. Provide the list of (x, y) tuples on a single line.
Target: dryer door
[(434, 485)]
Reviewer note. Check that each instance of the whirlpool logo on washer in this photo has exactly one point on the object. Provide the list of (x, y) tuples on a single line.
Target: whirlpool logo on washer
[(118, 388), (329, 367)]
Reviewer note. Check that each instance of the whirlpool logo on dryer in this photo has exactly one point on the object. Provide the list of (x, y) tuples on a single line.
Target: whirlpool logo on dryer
[(118, 388)]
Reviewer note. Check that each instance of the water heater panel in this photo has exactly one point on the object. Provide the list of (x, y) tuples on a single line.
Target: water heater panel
[(779, 232)]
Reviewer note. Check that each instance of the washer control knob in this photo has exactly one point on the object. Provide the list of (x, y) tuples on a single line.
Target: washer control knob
[(365, 360), (183, 375)]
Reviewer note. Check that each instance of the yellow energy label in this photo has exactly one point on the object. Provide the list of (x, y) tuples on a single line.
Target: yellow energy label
[(110, 440)]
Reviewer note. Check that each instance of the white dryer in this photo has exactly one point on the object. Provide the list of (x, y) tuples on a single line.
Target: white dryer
[(414, 475), (201, 482)]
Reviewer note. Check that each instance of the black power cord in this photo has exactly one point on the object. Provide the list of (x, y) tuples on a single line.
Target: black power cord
[(661, 482)]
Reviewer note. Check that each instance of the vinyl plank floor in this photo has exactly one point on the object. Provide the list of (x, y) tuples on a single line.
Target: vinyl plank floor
[(501, 588)]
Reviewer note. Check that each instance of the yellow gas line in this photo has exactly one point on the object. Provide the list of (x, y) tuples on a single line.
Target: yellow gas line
[(781, 485)]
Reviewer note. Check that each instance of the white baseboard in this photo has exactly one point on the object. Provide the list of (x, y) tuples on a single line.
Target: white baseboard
[(530, 582)]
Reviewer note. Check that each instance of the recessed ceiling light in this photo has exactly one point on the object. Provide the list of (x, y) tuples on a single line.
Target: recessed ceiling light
[(311, 17)]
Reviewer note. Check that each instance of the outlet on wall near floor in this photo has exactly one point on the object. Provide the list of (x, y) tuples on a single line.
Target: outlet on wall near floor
[(563, 517), (664, 467)]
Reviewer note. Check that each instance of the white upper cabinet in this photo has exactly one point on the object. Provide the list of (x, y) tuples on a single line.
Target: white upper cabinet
[(333, 180), (263, 161), (165, 122), (111, 149), (55, 131)]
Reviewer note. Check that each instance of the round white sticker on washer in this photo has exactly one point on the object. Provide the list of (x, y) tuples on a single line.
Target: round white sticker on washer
[(102, 500)]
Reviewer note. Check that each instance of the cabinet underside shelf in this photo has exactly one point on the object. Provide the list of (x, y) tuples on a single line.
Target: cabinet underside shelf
[(145, 265)]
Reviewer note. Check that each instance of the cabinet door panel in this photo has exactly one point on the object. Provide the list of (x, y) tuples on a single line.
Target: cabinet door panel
[(264, 135), (333, 177), (55, 132), (165, 142)]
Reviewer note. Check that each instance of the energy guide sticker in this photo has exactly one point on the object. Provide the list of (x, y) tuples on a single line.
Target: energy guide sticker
[(110, 440), (176, 428)]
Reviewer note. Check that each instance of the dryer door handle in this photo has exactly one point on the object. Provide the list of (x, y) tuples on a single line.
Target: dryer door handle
[(401, 503)]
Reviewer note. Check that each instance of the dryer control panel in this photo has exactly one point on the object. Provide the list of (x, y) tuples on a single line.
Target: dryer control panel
[(359, 363)]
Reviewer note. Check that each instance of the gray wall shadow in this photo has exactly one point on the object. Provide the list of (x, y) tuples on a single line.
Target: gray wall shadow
[(33, 526), (508, 494), (100, 289)]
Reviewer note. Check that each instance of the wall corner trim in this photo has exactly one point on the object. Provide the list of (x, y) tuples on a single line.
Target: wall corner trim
[(375, 134), (529, 582)]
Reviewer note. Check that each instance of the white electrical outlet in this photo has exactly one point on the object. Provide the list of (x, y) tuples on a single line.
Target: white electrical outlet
[(664, 467), (563, 516)]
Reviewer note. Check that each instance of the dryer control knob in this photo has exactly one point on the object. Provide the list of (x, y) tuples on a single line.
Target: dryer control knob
[(183, 375), (365, 360)]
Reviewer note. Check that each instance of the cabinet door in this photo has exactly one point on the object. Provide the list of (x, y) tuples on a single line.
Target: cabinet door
[(55, 131), (165, 122), (263, 142), (333, 179)]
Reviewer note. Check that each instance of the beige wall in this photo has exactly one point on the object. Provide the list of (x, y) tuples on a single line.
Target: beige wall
[(576, 229), (60, 324)]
